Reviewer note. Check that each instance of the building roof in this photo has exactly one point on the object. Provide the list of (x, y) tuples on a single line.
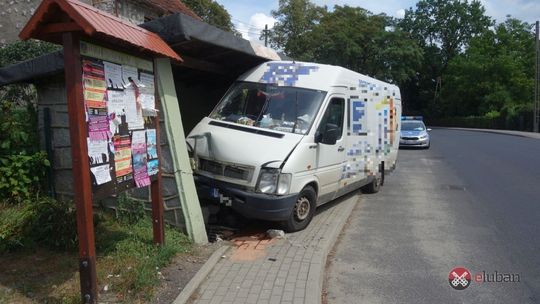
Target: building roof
[(171, 7), (48, 24)]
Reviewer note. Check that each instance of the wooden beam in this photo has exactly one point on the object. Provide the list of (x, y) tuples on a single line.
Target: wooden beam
[(82, 183), (156, 185), (60, 27)]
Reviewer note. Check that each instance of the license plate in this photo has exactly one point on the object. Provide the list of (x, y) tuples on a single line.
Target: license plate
[(214, 192)]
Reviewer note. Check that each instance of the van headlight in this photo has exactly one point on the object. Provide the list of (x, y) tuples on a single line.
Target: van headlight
[(271, 181)]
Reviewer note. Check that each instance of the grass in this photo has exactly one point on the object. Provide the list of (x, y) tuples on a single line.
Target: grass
[(128, 263)]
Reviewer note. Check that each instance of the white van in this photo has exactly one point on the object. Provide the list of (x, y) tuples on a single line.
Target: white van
[(290, 136)]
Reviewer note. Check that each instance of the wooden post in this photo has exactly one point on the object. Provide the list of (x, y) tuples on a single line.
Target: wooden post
[(155, 187), (80, 167)]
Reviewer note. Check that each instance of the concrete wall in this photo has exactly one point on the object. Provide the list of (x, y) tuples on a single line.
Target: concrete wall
[(52, 95)]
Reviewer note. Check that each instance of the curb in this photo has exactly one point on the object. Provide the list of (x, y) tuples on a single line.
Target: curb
[(316, 278), (503, 132), (199, 277)]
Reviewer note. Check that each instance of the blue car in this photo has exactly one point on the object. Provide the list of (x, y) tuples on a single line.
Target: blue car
[(414, 134)]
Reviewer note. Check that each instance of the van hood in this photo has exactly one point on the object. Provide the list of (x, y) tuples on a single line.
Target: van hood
[(241, 145)]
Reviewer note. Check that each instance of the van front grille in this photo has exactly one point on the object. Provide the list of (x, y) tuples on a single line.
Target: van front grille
[(227, 170)]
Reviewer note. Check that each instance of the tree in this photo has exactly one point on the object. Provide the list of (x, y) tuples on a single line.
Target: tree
[(494, 75), (295, 19), (444, 29), (446, 24), (354, 38), (212, 13)]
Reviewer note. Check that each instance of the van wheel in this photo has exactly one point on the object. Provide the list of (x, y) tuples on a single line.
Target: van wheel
[(375, 184), (303, 211)]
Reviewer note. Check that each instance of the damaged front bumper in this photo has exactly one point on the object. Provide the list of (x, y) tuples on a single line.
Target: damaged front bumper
[(249, 204)]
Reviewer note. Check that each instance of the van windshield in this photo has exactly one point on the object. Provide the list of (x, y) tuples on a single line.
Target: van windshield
[(285, 109)]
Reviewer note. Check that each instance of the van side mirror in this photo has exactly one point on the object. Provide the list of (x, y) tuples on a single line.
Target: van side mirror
[(428, 129), (329, 136)]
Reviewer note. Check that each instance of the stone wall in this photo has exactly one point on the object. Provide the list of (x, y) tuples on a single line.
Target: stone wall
[(13, 16), (52, 96), (15, 13)]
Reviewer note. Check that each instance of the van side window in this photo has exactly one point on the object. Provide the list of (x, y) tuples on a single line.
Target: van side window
[(334, 115)]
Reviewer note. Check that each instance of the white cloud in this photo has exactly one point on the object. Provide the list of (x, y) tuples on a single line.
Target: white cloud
[(400, 13), (257, 22)]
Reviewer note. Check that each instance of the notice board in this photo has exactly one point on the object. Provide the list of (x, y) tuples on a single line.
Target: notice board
[(121, 117)]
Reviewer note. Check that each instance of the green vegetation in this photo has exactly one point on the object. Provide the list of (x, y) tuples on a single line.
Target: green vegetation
[(453, 63), (22, 164), (212, 13), (127, 260)]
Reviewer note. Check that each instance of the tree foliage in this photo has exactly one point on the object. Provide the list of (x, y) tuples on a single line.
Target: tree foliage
[(494, 74), (295, 19), (351, 37), (212, 13), (446, 24)]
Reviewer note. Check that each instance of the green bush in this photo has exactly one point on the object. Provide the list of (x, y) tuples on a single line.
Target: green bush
[(21, 175), (129, 211), (43, 221), (54, 224), (14, 224)]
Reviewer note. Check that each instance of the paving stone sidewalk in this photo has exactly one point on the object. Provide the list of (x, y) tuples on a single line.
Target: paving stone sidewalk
[(290, 270)]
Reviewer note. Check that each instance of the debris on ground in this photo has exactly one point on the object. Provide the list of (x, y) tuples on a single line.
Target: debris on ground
[(274, 233)]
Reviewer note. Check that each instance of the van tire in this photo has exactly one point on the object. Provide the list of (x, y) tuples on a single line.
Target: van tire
[(375, 185), (303, 211)]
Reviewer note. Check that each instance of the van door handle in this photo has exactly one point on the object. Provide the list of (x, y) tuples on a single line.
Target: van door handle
[(340, 149)]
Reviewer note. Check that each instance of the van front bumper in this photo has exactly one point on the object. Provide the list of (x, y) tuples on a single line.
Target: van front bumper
[(249, 204)]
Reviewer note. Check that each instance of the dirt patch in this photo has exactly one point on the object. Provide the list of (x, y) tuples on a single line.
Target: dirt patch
[(180, 271)]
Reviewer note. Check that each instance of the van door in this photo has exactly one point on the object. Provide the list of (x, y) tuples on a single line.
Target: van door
[(330, 153)]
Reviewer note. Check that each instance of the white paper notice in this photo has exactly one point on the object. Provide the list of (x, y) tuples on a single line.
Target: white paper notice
[(148, 101), (116, 102), (98, 151), (138, 137), (102, 174), (147, 80), (113, 75), (134, 116), (129, 72)]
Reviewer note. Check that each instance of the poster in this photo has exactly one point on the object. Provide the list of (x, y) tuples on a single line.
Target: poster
[(101, 174), (134, 117), (151, 144), (122, 158), (140, 159), (113, 75), (130, 76), (120, 109), (98, 151), (153, 167)]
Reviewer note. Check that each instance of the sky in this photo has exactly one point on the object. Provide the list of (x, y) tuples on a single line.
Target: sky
[(250, 16)]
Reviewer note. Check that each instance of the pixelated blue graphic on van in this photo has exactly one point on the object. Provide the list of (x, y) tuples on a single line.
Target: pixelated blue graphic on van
[(286, 74), (358, 112)]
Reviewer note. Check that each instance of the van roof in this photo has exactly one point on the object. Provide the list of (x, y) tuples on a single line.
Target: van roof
[(312, 76)]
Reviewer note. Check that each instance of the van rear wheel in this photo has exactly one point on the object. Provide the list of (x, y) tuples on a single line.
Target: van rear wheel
[(376, 183), (303, 211)]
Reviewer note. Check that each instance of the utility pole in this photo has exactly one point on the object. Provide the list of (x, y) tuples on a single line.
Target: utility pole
[(536, 79), (266, 34)]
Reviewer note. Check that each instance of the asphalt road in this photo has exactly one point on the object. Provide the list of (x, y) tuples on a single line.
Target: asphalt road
[(472, 200)]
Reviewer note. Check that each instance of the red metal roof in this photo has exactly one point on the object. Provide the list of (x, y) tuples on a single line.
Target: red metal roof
[(49, 20)]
